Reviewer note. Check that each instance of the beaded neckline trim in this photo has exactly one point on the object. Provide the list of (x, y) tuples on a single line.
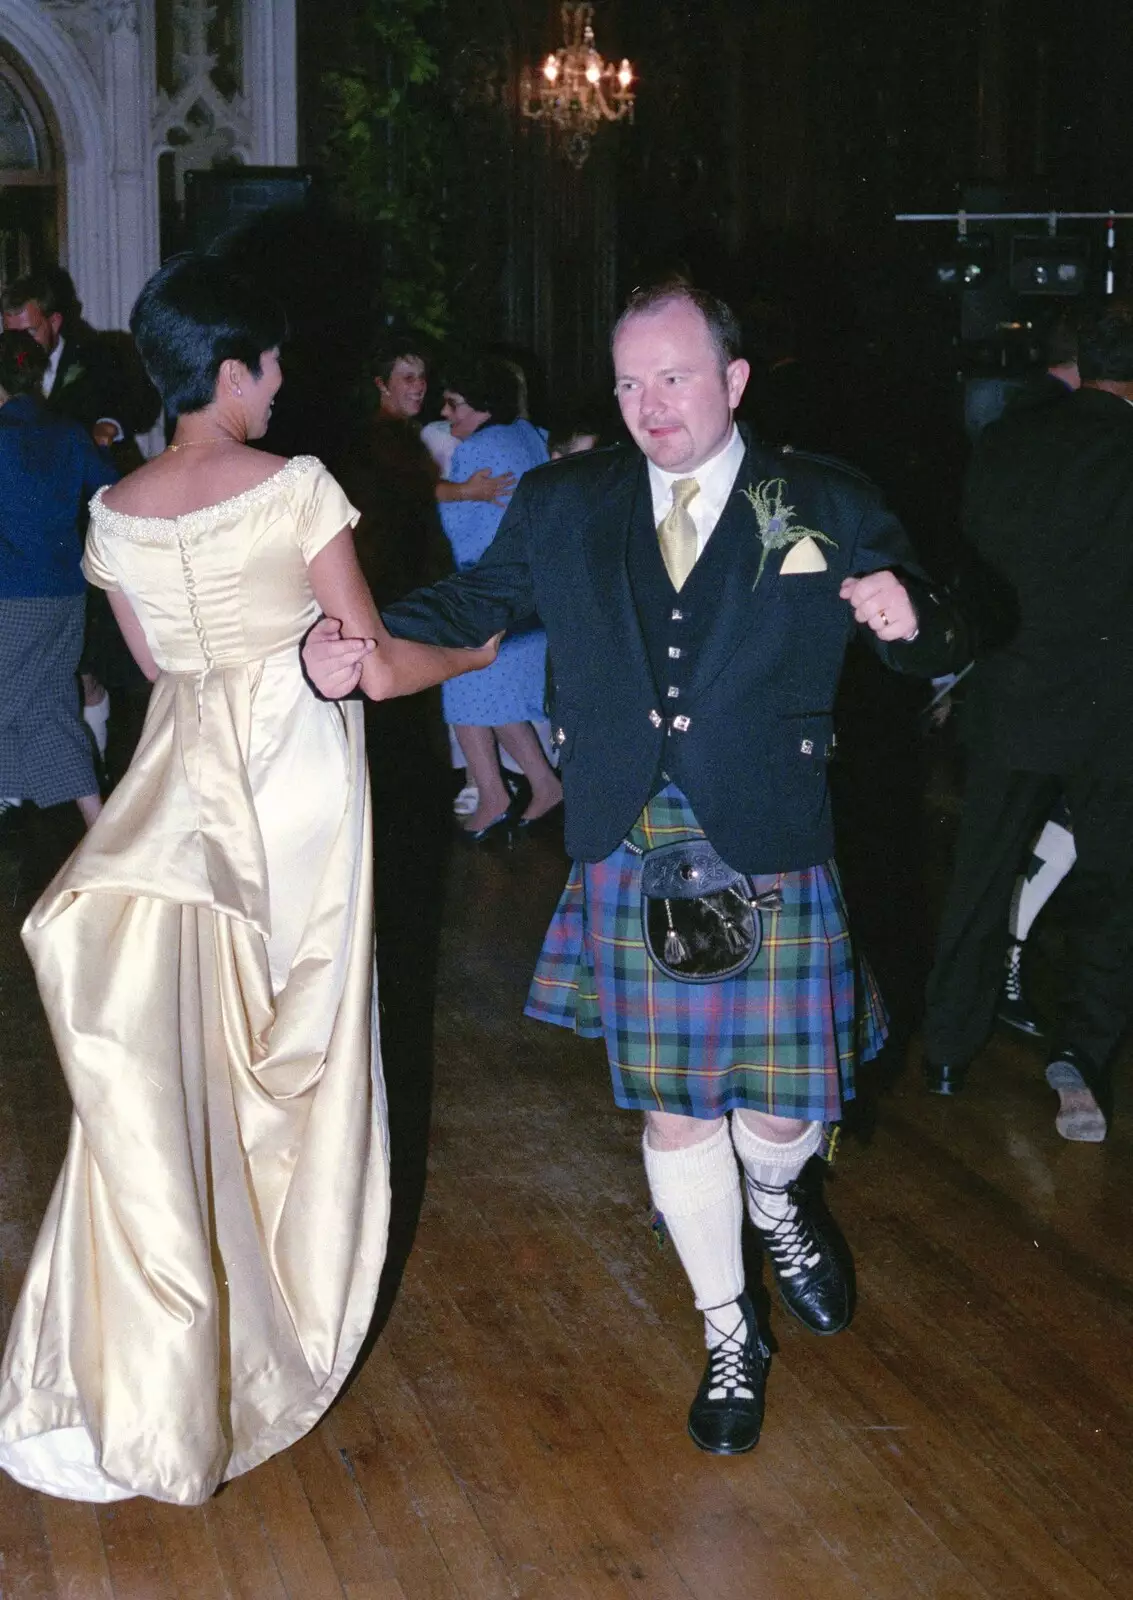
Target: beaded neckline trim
[(128, 526)]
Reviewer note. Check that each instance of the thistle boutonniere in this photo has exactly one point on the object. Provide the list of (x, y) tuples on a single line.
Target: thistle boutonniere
[(777, 527)]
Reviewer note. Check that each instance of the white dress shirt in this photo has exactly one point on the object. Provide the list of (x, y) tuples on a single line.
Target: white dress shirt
[(716, 478), (52, 372)]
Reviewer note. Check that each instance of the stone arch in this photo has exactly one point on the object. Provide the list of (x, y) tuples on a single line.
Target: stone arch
[(67, 85)]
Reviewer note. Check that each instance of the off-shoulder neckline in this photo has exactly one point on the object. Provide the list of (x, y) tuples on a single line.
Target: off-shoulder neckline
[(297, 467)]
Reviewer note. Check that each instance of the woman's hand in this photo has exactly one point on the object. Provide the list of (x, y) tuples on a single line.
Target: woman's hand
[(334, 664), (400, 666), (483, 486)]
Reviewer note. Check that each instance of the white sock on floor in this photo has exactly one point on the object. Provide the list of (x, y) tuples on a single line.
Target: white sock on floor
[(96, 718), (697, 1191), (774, 1165)]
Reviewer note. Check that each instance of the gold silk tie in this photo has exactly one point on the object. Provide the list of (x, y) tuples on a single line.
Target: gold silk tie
[(676, 533)]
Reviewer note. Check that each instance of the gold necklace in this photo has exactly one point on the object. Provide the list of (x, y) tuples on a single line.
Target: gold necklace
[(188, 444)]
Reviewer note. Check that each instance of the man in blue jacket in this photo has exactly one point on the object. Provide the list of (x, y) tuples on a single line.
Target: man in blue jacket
[(698, 594)]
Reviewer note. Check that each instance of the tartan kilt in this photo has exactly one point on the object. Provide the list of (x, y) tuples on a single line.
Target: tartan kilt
[(782, 1037)]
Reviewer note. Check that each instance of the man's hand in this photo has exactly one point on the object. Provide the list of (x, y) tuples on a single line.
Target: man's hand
[(482, 486), (483, 655), (880, 602), (334, 664)]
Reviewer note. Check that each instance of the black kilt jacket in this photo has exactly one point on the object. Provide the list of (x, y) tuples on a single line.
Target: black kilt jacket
[(754, 734)]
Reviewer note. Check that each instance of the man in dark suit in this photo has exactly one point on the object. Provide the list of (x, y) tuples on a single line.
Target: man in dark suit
[(1049, 507), (698, 594), (88, 379)]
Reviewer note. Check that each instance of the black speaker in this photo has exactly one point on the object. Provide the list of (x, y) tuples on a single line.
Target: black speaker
[(219, 204)]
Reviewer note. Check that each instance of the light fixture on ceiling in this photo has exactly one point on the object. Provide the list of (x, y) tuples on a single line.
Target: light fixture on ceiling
[(574, 90)]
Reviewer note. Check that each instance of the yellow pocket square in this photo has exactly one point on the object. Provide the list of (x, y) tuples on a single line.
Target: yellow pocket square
[(803, 557)]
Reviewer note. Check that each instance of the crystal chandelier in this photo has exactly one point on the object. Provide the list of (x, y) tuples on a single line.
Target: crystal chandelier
[(574, 90)]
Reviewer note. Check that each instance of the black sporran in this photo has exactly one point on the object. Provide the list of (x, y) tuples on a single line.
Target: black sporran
[(701, 921)]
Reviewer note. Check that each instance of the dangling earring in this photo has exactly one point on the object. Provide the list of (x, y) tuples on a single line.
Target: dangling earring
[(238, 390)]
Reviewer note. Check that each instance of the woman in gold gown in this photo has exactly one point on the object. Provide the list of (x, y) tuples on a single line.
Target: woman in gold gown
[(208, 1264)]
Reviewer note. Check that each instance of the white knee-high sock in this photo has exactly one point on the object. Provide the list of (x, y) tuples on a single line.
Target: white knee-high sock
[(697, 1190), (773, 1165), (1051, 859)]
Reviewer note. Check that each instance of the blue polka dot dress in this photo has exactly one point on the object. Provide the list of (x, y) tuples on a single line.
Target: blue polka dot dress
[(513, 688)]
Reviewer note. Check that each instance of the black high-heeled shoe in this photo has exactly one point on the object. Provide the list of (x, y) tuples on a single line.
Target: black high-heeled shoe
[(549, 819), (503, 825)]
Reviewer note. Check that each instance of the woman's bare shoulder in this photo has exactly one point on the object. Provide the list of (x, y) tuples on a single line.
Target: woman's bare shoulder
[(171, 485)]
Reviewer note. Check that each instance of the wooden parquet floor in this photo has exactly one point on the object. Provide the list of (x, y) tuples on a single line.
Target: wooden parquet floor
[(517, 1428)]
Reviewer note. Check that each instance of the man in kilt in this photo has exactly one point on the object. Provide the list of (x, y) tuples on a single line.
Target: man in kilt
[(698, 594)]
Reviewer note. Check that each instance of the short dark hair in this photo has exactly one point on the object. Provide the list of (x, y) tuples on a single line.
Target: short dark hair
[(23, 362), (194, 314), (37, 286), (723, 324), (390, 351), (486, 383), (1105, 343)]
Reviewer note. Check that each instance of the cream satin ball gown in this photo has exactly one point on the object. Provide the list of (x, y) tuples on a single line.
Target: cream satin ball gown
[(208, 1264)]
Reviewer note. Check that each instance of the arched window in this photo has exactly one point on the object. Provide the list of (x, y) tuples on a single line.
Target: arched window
[(29, 178)]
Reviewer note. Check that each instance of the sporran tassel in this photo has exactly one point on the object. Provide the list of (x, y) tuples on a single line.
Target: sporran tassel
[(676, 951), (733, 938)]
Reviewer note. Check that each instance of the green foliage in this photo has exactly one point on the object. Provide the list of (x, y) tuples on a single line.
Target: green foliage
[(385, 153)]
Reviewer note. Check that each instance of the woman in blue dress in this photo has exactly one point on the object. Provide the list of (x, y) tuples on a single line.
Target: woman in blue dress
[(481, 403)]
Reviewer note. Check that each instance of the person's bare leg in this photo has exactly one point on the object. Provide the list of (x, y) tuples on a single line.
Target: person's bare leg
[(778, 1130), (479, 746), (521, 742), (89, 805)]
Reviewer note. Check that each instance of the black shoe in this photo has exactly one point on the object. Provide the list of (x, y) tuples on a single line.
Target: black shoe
[(1014, 1009), (1076, 1081), (727, 1414), (810, 1260), (546, 822), (502, 826), (944, 1077)]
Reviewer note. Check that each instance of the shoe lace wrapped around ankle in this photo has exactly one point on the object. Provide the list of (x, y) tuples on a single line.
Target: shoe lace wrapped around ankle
[(731, 1366), (788, 1240), (1013, 982)]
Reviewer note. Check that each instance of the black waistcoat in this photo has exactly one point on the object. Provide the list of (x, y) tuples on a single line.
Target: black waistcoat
[(674, 626)]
